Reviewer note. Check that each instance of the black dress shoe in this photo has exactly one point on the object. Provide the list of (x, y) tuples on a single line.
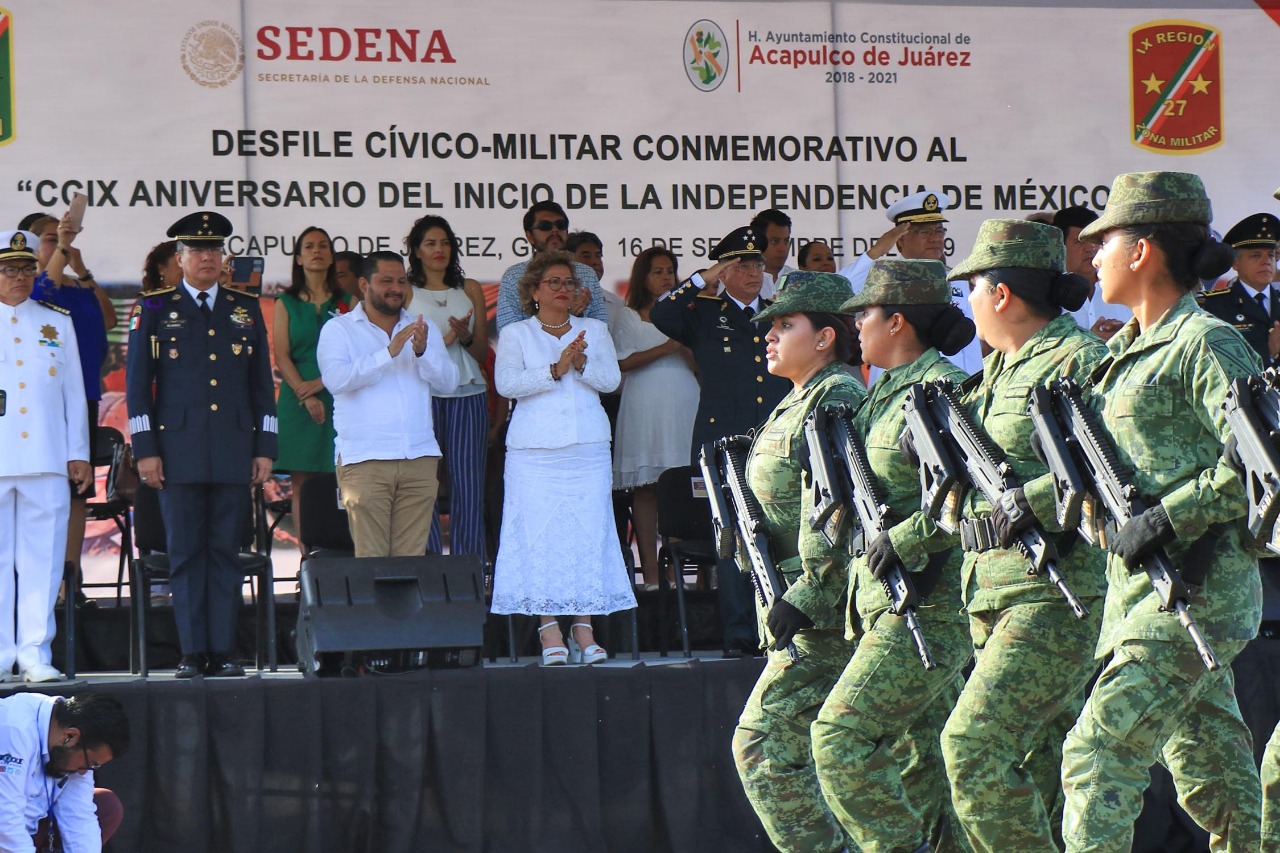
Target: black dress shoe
[(190, 666), (741, 649), (222, 666)]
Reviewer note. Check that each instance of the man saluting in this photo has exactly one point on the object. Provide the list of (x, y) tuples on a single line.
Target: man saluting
[(202, 415)]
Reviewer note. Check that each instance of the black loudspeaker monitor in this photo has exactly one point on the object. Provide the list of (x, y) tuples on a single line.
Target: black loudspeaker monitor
[(390, 614)]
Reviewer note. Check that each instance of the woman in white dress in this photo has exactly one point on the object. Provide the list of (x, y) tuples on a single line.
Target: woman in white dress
[(659, 402), (558, 552)]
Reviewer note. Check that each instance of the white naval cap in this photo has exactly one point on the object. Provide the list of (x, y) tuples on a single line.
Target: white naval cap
[(925, 206)]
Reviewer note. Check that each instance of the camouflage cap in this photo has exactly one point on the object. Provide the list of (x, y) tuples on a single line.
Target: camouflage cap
[(1013, 243), (892, 281), (1142, 198), (808, 292)]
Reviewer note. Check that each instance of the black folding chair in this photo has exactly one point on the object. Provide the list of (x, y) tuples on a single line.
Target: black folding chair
[(152, 563), (324, 528), (685, 532), (111, 455)]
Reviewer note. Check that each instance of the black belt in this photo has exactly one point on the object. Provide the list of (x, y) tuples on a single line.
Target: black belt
[(978, 535)]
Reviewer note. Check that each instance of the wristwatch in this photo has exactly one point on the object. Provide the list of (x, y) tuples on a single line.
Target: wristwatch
[(87, 276)]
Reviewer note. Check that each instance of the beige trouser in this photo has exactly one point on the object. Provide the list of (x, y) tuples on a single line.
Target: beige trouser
[(389, 504)]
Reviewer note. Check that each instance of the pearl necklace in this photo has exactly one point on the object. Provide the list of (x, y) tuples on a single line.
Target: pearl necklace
[(558, 326)]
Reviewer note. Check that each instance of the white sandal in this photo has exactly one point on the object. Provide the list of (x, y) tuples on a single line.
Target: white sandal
[(591, 653), (553, 655)]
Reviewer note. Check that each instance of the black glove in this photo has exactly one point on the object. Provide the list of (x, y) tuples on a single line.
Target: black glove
[(907, 447), (1143, 535), (784, 621), (881, 556), (1011, 515)]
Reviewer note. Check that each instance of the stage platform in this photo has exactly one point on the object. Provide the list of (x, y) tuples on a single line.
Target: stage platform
[(623, 756)]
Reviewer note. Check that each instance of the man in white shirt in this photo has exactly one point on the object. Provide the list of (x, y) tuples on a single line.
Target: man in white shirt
[(1095, 315), (381, 366), (45, 435), (773, 228), (49, 748)]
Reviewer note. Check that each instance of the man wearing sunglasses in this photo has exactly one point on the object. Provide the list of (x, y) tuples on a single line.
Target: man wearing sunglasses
[(50, 747), (546, 227), (44, 430)]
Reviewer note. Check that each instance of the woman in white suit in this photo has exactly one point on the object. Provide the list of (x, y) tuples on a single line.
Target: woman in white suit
[(558, 551)]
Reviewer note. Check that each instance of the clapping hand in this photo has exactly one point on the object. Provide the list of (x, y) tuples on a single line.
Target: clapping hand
[(574, 354), (579, 301), (459, 330), (419, 337)]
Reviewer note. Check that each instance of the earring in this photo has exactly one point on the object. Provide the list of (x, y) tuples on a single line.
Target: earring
[(1133, 266), (821, 345)]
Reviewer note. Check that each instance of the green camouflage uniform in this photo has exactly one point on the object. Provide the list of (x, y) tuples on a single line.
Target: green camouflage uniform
[(771, 746), (875, 740), (1161, 392), (1002, 743), (1271, 793)]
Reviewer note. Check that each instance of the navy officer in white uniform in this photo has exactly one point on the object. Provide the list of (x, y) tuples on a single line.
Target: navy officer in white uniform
[(919, 233), (45, 435), (202, 415)]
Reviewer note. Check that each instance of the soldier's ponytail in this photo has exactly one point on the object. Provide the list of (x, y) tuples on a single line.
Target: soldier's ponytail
[(943, 327), (1045, 292), (1191, 254)]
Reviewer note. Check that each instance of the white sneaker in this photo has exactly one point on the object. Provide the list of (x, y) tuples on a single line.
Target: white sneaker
[(42, 672)]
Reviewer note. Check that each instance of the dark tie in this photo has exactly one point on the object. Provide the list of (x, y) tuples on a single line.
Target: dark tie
[(204, 306)]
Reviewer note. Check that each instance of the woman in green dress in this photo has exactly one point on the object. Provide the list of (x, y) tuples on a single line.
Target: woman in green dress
[(305, 408)]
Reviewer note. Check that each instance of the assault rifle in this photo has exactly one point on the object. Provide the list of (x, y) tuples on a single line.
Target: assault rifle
[(1252, 408), (1115, 490), (938, 414), (842, 477), (735, 513)]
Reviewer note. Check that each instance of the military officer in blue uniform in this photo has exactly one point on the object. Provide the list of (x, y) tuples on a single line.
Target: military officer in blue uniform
[(1249, 303), (738, 392), (203, 419)]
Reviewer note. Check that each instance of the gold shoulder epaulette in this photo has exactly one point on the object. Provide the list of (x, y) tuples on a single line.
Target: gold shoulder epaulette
[(705, 295), (1207, 293), (52, 307), (159, 291), (242, 292)]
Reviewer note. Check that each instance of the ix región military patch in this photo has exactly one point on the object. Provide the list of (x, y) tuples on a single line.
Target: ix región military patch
[(1175, 80)]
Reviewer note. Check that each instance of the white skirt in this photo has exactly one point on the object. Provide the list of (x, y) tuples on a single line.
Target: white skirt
[(559, 552)]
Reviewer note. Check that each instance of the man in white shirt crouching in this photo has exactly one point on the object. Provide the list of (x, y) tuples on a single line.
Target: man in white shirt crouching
[(49, 748), (381, 365)]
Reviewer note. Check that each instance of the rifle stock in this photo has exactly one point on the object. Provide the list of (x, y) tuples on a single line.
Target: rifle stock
[(835, 452), (724, 467), (988, 472), (1115, 490)]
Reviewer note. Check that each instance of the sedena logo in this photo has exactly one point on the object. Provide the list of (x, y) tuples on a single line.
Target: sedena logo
[(706, 60), (212, 54)]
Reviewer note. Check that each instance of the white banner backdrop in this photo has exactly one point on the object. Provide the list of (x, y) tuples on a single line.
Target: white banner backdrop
[(650, 121)]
